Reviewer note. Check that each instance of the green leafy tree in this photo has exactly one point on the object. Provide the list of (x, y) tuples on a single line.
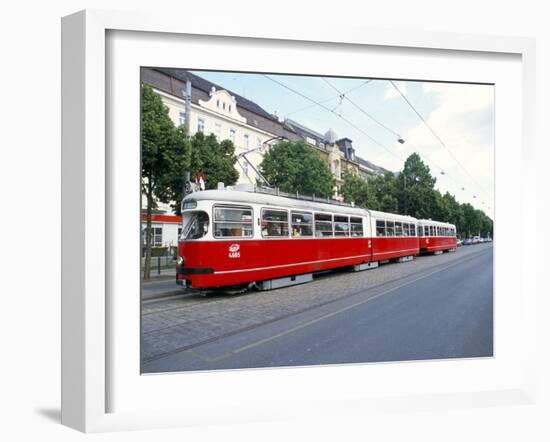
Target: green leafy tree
[(415, 189), (164, 155), (356, 190), (203, 153), (385, 192), (293, 167), (215, 159)]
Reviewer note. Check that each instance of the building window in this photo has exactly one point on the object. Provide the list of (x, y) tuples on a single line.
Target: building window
[(217, 103), (229, 108), (336, 168), (232, 135), (218, 129), (200, 125), (246, 141), (224, 106), (245, 167), (156, 236), (259, 144), (182, 118)]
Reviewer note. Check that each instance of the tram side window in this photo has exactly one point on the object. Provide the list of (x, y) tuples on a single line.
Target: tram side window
[(390, 228), (323, 224), (420, 230), (412, 230), (232, 222), (406, 229), (274, 222), (380, 227), (341, 225), (302, 224), (432, 233), (356, 225), (398, 228)]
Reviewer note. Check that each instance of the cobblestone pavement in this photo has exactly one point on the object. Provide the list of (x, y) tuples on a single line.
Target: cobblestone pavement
[(174, 325)]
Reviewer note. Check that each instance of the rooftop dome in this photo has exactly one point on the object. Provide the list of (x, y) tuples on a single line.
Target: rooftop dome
[(331, 136)]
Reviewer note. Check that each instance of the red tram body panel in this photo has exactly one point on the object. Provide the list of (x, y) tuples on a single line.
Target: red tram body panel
[(233, 238), (436, 236), (259, 260)]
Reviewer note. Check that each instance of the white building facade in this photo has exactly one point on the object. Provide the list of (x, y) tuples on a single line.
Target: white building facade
[(214, 110)]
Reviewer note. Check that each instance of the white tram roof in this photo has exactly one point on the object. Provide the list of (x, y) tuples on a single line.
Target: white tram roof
[(431, 222), (247, 197), (239, 196), (392, 216)]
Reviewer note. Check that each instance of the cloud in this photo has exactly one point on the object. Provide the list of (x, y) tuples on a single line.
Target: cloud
[(390, 91), (464, 119)]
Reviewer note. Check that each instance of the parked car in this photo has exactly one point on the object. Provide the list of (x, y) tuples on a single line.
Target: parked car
[(475, 239), (459, 242), (467, 241)]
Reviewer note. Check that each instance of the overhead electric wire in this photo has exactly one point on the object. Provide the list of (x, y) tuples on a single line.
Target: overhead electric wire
[(338, 115), (345, 96), (392, 131), (438, 137), (320, 104), (328, 99)]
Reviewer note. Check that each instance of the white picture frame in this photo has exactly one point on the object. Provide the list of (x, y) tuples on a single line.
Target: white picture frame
[(87, 313)]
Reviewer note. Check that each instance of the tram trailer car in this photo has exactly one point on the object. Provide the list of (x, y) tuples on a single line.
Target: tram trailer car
[(233, 238), (436, 237)]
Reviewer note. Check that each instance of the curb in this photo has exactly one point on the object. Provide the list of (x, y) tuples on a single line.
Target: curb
[(160, 295)]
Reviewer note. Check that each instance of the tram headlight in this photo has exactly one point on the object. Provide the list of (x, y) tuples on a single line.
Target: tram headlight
[(180, 260)]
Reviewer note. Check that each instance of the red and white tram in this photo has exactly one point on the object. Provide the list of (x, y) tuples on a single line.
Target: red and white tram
[(239, 238), (436, 237)]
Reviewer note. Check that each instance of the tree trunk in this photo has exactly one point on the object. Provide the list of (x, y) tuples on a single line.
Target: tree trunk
[(148, 232)]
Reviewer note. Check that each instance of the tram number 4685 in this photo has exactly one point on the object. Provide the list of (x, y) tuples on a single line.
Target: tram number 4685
[(234, 251)]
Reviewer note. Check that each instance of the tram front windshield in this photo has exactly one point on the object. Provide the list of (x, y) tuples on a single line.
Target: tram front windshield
[(195, 225)]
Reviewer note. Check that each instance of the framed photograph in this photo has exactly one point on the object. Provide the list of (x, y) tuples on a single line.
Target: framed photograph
[(270, 224)]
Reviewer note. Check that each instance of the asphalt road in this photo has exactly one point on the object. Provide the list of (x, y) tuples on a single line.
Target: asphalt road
[(442, 308)]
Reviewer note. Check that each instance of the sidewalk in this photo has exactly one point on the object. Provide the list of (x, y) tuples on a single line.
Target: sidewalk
[(161, 285)]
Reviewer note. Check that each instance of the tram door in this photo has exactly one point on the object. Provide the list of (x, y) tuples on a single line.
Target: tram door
[(368, 233)]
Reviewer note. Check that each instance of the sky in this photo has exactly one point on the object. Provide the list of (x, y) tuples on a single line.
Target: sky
[(374, 114)]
